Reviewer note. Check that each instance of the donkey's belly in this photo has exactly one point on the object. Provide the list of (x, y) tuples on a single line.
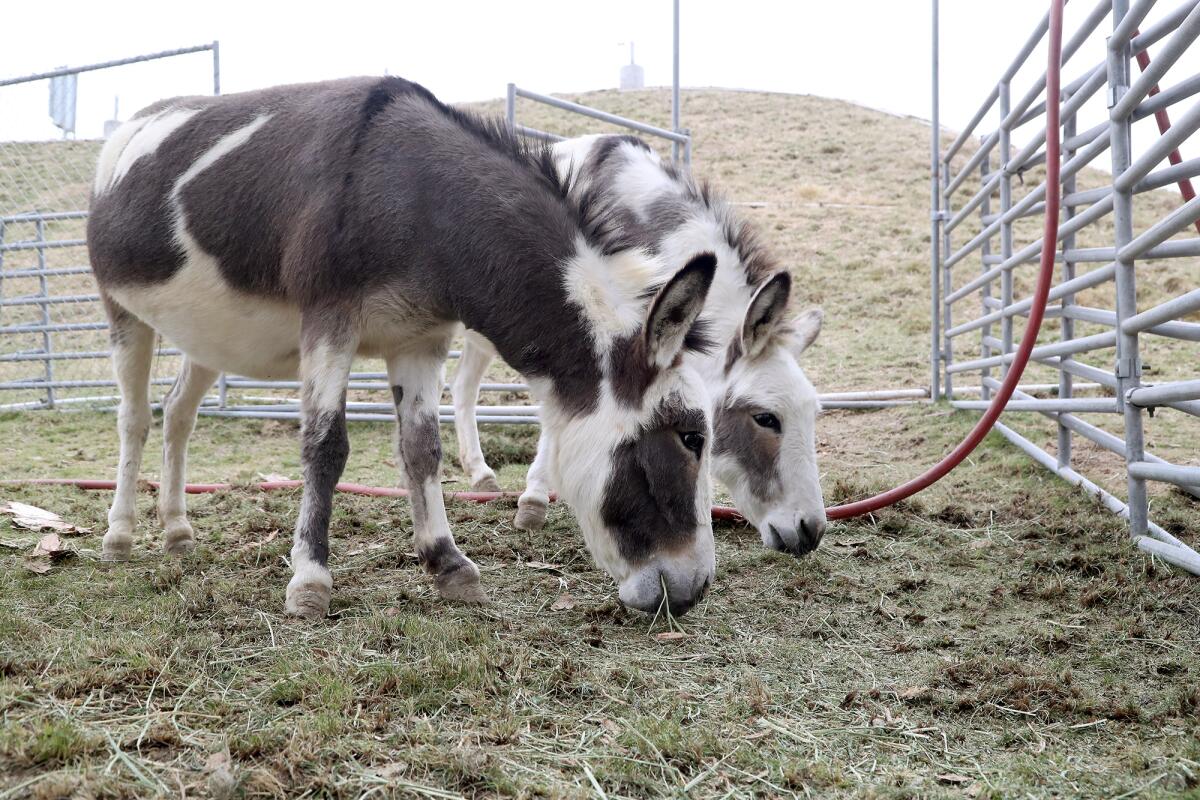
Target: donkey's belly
[(216, 325)]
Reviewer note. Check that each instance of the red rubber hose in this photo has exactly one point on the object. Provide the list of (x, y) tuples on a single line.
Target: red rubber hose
[(934, 473)]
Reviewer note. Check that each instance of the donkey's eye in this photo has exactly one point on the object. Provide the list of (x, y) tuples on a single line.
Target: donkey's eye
[(768, 420), (693, 441)]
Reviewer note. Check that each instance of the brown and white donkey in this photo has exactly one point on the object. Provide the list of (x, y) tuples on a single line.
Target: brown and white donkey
[(289, 230)]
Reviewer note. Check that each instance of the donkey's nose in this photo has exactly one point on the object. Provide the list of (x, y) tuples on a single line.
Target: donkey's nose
[(644, 590), (811, 531), (798, 540)]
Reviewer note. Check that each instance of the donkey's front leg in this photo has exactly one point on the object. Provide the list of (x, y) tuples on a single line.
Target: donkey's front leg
[(416, 387), (535, 500), (325, 445)]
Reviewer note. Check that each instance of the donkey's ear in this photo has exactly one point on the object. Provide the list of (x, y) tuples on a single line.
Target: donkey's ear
[(765, 313), (803, 330), (675, 309)]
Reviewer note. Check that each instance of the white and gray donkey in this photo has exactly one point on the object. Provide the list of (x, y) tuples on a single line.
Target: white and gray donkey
[(289, 230), (764, 407)]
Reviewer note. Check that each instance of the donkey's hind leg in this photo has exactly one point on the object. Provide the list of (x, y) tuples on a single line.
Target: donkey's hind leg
[(477, 354), (179, 418), (416, 387), (133, 354)]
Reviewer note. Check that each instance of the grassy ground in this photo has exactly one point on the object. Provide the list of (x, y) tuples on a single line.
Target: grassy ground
[(996, 637)]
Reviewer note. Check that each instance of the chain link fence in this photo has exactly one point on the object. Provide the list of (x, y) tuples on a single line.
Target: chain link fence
[(53, 334)]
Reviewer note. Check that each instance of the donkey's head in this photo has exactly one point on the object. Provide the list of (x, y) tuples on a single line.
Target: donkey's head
[(764, 448), (635, 466)]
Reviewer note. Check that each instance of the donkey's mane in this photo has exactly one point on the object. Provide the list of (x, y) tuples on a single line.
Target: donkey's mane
[(597, 216), (742, 237)]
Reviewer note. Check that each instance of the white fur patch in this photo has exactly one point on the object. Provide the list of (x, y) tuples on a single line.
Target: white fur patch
[(326, 370), (135, 140), (611, 290), (224, 146)]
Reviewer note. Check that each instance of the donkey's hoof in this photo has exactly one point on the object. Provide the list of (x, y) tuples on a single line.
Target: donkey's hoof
[(308, 596), (116, 548), (531, 515), (178, 540), (461, 583), (487, 483)]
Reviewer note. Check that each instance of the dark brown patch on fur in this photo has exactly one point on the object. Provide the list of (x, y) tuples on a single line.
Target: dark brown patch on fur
[(649, 501), (733, 353), (325, 446), (441, 558), (630, 370), (754, 447), (421, 452)]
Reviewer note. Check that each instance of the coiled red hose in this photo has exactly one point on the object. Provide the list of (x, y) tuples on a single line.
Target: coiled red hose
[(860, 507)]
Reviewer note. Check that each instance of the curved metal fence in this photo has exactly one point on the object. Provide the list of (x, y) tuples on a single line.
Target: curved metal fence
[(1129, 284)]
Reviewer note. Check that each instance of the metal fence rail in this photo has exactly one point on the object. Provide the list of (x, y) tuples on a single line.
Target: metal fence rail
[(980, 187)]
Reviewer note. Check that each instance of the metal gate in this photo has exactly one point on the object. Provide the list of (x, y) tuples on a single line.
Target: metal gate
[(1112, 252)]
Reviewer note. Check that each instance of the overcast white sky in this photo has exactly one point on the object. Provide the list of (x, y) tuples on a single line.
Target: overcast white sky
[(873, 52)]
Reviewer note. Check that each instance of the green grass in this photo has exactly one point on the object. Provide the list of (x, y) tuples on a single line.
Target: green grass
[(1000, 628)]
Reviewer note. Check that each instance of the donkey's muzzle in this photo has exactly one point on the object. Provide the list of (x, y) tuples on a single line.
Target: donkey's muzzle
[(644, 590), (800, 540)]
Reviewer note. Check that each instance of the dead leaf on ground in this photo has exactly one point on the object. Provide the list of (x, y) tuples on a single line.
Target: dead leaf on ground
[(52, 547), (850, 543), (40, 566), (670, 636), (273, 477), (912, 692), (47, 552), (565, 602), (39, 519), (543, 565), (980, 544), (954, 778)]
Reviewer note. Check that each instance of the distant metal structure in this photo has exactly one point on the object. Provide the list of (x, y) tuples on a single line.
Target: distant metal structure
[(680, 138), (632, 74), (994, 174), (62, 102)]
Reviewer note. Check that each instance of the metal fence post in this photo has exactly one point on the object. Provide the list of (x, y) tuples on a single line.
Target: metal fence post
[(1006, 228), (1065, 379), (510, 105), (947, 288), (44, 291), (985, 250), (675, 78), (687, 147), (935, 227), (1128, 366), (216, 51)]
